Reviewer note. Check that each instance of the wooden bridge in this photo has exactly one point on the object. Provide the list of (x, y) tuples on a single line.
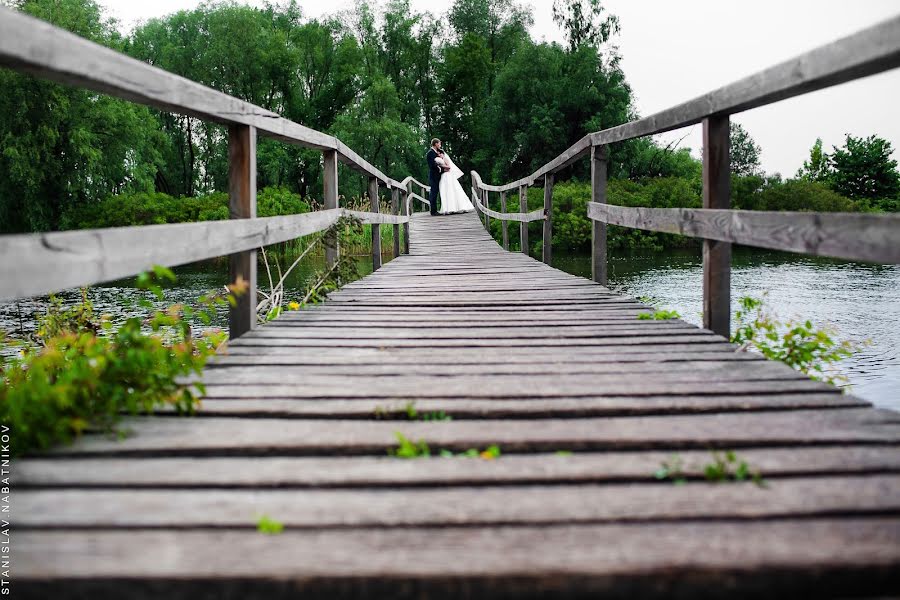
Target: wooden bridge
[(584, 400)]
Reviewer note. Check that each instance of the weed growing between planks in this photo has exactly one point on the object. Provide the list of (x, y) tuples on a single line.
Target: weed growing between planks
[(407, 448), (409, 412), (724, 467)]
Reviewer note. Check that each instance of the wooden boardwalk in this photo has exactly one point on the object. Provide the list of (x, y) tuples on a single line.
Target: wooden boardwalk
[(522, 356)]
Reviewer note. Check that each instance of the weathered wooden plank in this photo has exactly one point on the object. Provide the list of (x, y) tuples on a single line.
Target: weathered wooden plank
[(643, 342), (850, 236), (242, 205), (366, 471), (499, 408), (166, 436), (755, 369), (768, 558), (716, 254), (375, 205), (504, 224), (465, 505), (523, 226), (513, 387), (395, 209)]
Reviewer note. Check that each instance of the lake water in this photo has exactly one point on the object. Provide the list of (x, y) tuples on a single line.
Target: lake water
[(860, 301)]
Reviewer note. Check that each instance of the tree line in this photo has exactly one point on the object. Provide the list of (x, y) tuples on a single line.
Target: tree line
[(384, 79)]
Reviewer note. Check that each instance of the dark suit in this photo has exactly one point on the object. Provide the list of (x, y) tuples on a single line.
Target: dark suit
[(434, 179)]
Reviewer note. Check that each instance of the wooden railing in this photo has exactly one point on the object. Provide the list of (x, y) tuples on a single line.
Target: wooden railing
[(849, 236), (47, 262)]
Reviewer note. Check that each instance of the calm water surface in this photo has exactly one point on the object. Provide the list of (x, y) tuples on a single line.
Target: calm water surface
[(860, 301)]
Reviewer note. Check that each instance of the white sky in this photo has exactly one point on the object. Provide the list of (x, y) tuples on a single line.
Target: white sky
[(675, 51)]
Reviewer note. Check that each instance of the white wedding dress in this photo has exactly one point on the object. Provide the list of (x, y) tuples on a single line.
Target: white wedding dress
[(453, 197)]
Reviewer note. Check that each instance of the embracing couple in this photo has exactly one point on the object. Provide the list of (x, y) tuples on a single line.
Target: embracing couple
[(443, 178)]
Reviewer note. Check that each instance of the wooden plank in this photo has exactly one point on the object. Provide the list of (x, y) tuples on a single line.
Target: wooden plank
[(242, 205), (385, 471), (162, 436), (599, 157), (716, 254), (499, 408), (777, 558), (462, 506), (375, 205), (548, 219), (516, 387)]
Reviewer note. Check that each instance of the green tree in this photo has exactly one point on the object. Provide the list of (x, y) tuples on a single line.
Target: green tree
[(744, 152), (863, 168), (584, 22), (817, 168), (63, 146)]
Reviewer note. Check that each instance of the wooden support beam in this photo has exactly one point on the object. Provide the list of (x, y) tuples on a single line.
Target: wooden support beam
[(716, 254), (376, 228), (548, 218), (523, 227), (242, 205), (503, 223), (599, 158), (407, 208), (395, 209), (331, 201), (485, 199)]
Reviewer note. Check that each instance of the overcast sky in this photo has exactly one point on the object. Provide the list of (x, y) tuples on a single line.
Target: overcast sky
[(675, 51)]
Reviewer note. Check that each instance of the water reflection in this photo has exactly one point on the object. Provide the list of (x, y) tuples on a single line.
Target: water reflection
[(861, 301)]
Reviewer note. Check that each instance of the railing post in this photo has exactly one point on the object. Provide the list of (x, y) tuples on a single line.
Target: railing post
[(523, 226), (503, 224), (331, 201), (716, 255), (242, 205), (376, 228), (599, 158), (548, 217), (406, 207), (395, 210), (485, 198)]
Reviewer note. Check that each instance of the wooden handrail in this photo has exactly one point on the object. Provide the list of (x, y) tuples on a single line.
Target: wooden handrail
[(33, 46), (856, 237), (49, 262), (40, 263), (867, 52)]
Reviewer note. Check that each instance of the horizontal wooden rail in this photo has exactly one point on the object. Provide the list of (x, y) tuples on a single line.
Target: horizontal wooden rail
[(424, 201), (851, 236), (33, 46), (405, 182), (48, 262), (864, 53), (535, 215)]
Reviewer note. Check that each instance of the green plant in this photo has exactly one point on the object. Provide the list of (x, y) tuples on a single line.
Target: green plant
[(407, 448), (799, 345), (86, 374), (672, 469), (724, 467), (410, 413), (268, 525), (727, 467), (659, 315), (489, 453)]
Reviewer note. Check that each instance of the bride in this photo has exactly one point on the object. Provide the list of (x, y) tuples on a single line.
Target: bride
[(453, 197)]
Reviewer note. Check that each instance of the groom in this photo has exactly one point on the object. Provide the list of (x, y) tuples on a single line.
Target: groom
[(434, 175)]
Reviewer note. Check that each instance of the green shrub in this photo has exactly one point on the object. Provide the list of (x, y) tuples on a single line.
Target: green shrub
[(86, 373)]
